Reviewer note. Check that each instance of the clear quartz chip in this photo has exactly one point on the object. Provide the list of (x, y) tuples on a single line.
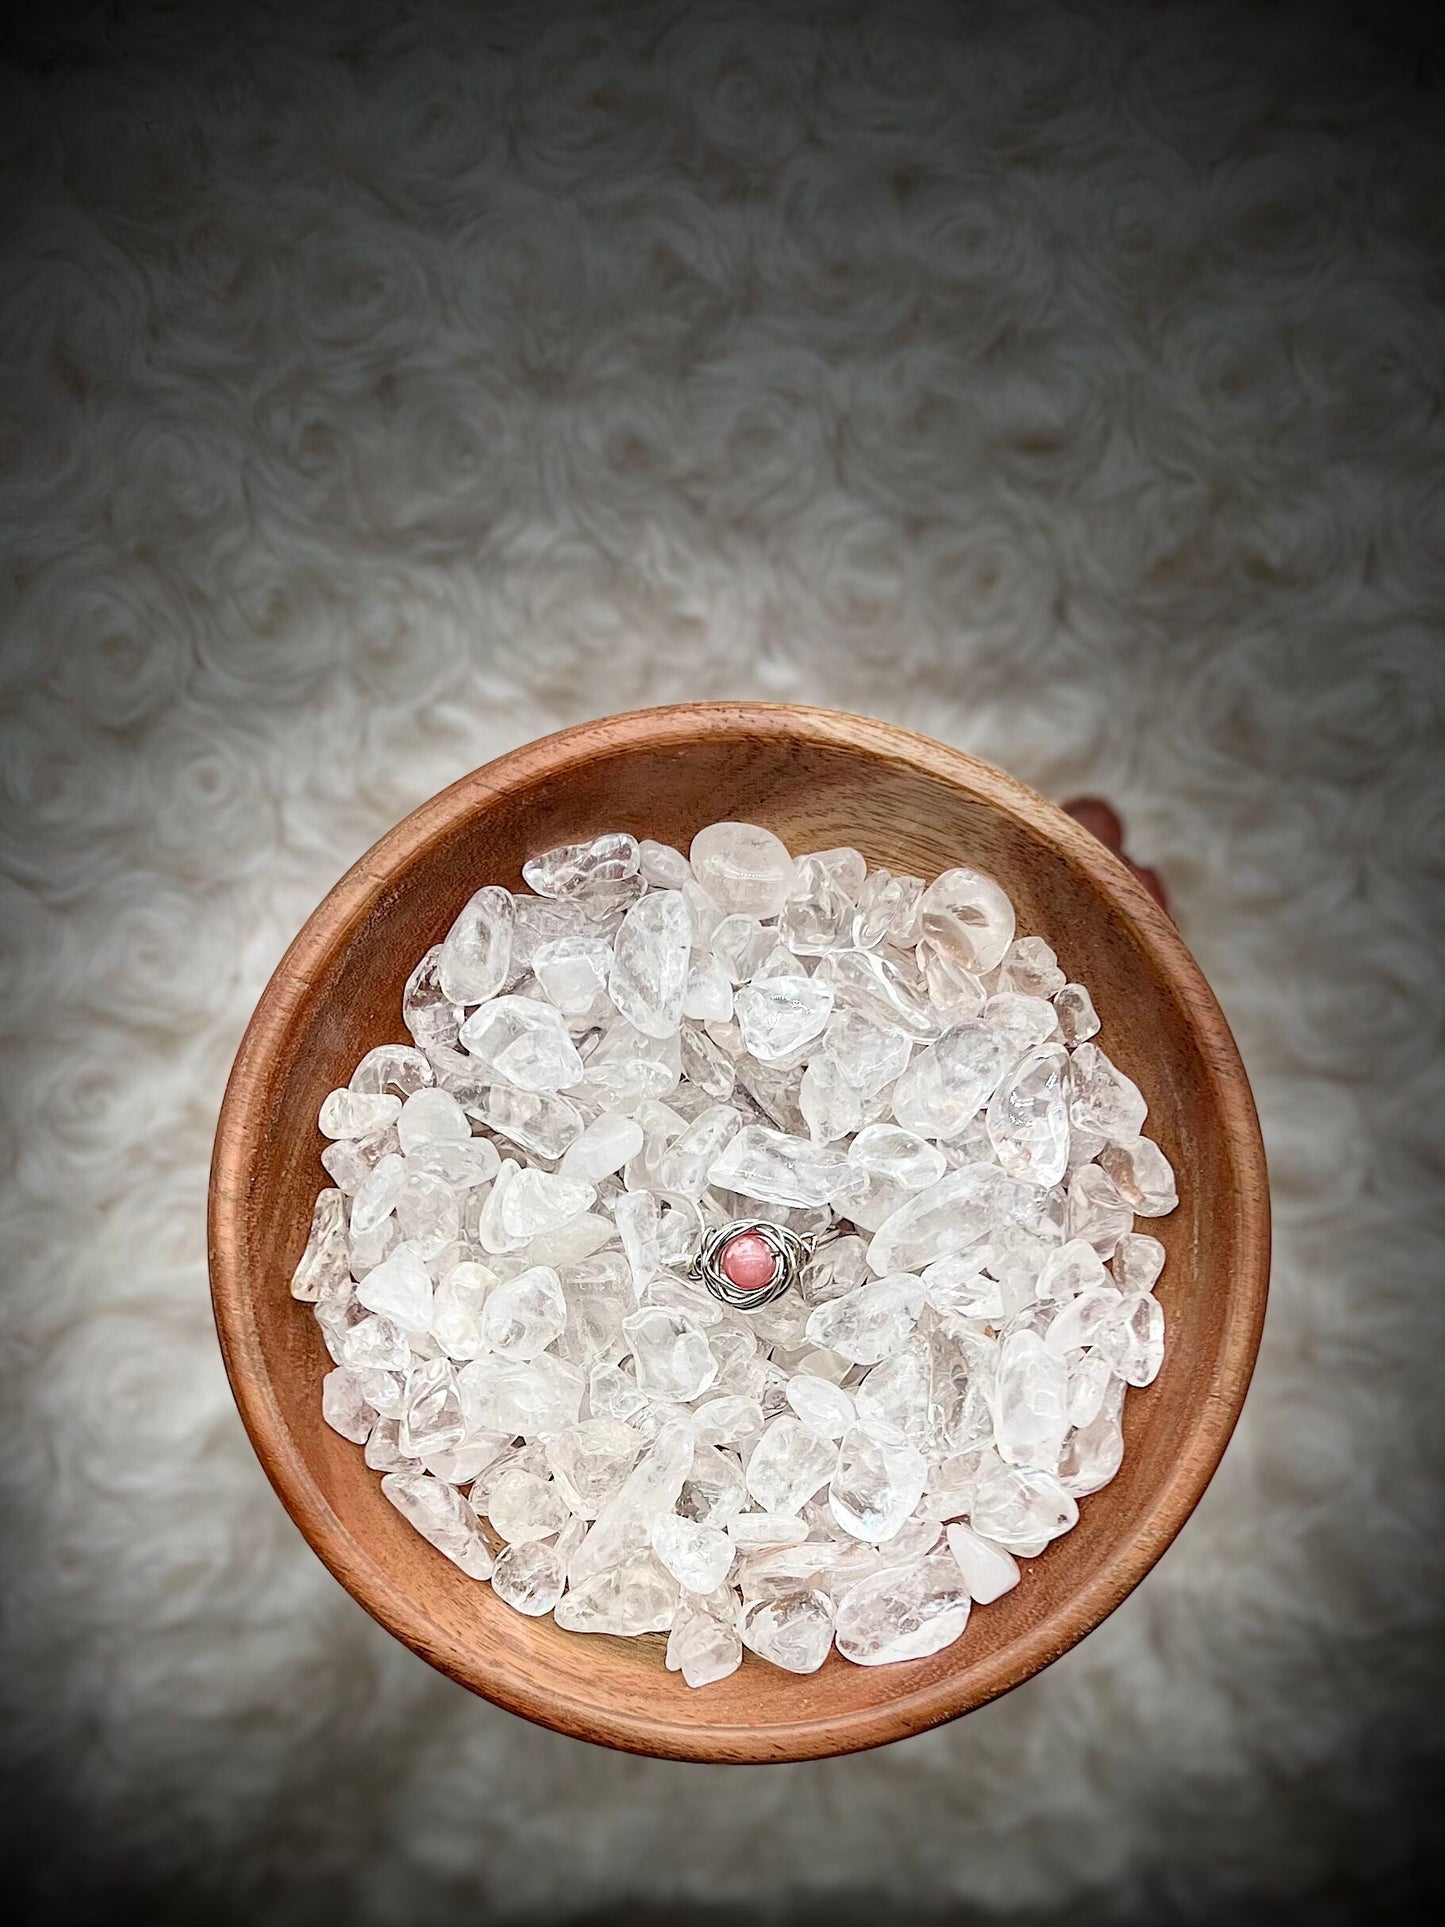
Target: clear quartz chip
[(1078, 1020), (1028, 1117), (344, 1405), (789, 1465), (778, 1168), (648, 978), (968, 917), (818, 915), (870, 1054), (523, 1042), (1097, 1213), (523, 1506), (572, 972), (888, 987), (829, 1102), (351, 1114), (1030, 966), (542, 1201), (324, 1266), (603, 1147), (945, 1085), (757, 1530), (1137, 1262), (529, 1577), (1030, 1399), (1102, 1098), (590, 1460), (870, 1323), (376, 1197), (962, 1211), (904, 1158), (543, 1122), (521, 1317), (440, 1513), (396, 1068), (778, 1015), (476, 955), (903, 1612), (698, 1557), (670, 1352), (428, 1013), (400, 1289), (637, 1595), (745, 869), (704, 1644), (879, 1480), (577, 869), (1143, 1176), (887, 910), (431, 1117), (794, 1631), (824, 1408), (662, 865)]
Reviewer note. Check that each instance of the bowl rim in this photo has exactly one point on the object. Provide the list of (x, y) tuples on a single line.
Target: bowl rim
[(243, 1116)]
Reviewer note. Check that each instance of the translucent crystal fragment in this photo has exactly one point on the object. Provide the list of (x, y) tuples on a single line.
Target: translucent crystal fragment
[(728, 1419), (542, 1122), (778, 1168), (685, 1164), (523, 1042), (1024, 1022), (572, 972), (589, 1462), (708, 997), (639, 1220), (870, 1323), (324, 1266), (756, 1531), (426, 1010), (955, 993), (602, 1148), (1030, 1396), (869, 1054), (903, 1612), (818, 915), (878, 1481), (745, 869), (348, 1113), (1083, 1320), (698, 1557), (969, 917), (648, 978), (540, 1201), (963, 1210), (624, 1524), (1137, 1262), (661, 865), (456, 1316), (788, 1465), (462, 1166), (431, 1117), (1097, 1213), (904, 1158), (529, 1399), (344, 1405), (778, 1015), (638, 1595), (1030, 966), (1078, 1020), (988, 1571), (1094, 1453), (529, 1577), (824, 1408), (440, 1514), (476, 954), (376, 1197), (1069, 1269), (431, 1416), (400, 1289), (1142, 1175), (524, 1507), (628, 1065), (396, 1068), (1028, 1117), (794, 1631), (522, 1317), (1022, 1509), (703, 1645), (887, 910), (890, 989), (670, 1353), (1144, 1330), (945, 1084), (1102, 1098), (577, 869), (713, 1491), (428, 1212), (830, 1103)]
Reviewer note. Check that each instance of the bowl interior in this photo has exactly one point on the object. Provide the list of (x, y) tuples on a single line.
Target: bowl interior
[(818, 780)]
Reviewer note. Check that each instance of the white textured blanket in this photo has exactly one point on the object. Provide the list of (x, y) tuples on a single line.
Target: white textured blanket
[(383, 387)]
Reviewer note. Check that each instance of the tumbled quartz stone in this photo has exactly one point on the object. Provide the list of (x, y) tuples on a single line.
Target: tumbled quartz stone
[(344, 1405), (794, 1631), (698, 1557), (637, 1595), (868, 1324), (603, 1147), (397, 1068), (890, 989), (440, 1513), (576, 869), (648, 978), (757, 1531), (779, 1168), (945, 1084), (1094, 1453), (788, 1465), (779, 1014), (431, 1117), (543, 1122), (1143, 1175), (431, 1419), (1069, 1269), (887, 910), (964, 1209), (1083, 1319), (831, 1105), (572, 971), (670, 1353), (878, 1481), (639, 1221), (1030, 1396), (540, 1201), (740, 946), (351, 1114), (713, 1491), (529, 1577), (476, 954), (708, 997), (376, 1197), (428, 1210), (524, 1042), (624, 1524), (464, 1166), (373, 1344), (745, 869), (906, 1159), (456, 1317), (589, 1462), (521, 1317), (323, 1266), (1031, 966), (661, 865), (818, 914), (956, 994), (1144, 1329), (685, 1164), (823, 1407), (988, 1571), (1078, 1020), (1021, 1509), (1137, 1262), (1102, 1098), (870, 1054), (903, 1612), (523, 1507), (968, 917), (527, 1399), (628, 1065), (1097, 1213), (1028, 1118), (400, 1289), (426, 1010), (727, 1419), (704, 1644)]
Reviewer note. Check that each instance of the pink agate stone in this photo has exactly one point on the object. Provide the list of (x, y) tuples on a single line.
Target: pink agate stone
[(748, 1261)]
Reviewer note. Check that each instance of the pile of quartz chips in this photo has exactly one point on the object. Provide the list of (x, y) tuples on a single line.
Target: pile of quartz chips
[(648, 1045)]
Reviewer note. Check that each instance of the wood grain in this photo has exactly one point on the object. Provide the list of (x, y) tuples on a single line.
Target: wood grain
[(818, 778)]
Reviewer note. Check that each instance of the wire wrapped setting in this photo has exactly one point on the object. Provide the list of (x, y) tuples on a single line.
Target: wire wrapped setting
[(790, 1250)]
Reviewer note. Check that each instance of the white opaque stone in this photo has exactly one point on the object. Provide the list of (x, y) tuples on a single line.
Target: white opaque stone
[(476, 954), (603, 1147), (988, 1571), (522, 1041), (969, 917), (903, 1612), (648, 978), (745, 869), (698, 1557), (778, 1015)]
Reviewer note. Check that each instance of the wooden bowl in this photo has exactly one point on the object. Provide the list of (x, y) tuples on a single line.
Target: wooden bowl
[(818, 778)]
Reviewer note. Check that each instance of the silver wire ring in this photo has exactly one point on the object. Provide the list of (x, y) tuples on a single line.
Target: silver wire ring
[(791, 1251)]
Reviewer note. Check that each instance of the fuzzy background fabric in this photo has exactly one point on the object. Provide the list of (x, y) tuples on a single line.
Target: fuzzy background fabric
[(385, 386)]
